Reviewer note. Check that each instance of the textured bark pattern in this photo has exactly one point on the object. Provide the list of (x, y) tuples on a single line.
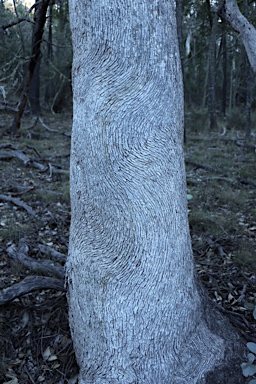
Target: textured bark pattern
[(232, 14), (135, 312)]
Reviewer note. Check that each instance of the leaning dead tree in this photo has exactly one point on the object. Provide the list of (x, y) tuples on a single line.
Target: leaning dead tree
[(230, 12), (38, 30)]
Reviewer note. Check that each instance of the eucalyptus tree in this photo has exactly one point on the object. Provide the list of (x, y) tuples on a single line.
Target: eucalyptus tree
[(137, 311)]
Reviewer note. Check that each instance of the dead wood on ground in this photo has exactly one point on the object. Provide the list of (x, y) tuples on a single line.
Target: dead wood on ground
[(28, 285)]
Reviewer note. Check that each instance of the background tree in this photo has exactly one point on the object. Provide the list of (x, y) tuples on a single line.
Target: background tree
[(137, 312), (55, 65), (229, 67), (231, 13), (212, 67), (49, 55), (60, 65), (40, 18), (228, 64)]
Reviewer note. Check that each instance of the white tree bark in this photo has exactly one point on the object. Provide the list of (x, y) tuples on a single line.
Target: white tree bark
[(230, 12), (136, 313)]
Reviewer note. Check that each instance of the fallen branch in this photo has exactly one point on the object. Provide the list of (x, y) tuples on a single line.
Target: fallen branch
[(55, 255), (21, 189), (47, 128), (19, 203), (21, 156), (199, 165), (245, 144), (213, 138), (7, 146), (15, 22), (233, 182), (43, 266), (26, 160), (240, 142), (15, 153), (4, 106), (30, 284), (246, 181), (239, 179), (52, 130)]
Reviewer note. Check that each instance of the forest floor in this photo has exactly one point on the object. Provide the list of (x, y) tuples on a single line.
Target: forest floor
[(35, 342)]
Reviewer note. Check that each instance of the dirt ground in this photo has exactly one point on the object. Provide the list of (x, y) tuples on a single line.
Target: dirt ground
[(35, 342)]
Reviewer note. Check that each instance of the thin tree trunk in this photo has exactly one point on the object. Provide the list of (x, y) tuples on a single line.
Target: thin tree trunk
[(34, 91), (237, 74), (38, 31), (249, 85), (212, 70), (231, 93), (21, 35), (48, 89), (249, 80), (224, 74)]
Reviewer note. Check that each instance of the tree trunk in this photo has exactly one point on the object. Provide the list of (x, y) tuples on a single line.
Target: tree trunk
[(49, 57), (231, 13), (137, 312), (249, 86), (19, 27), (34, 91), (212, 69), (38, 30), (224, 75)]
